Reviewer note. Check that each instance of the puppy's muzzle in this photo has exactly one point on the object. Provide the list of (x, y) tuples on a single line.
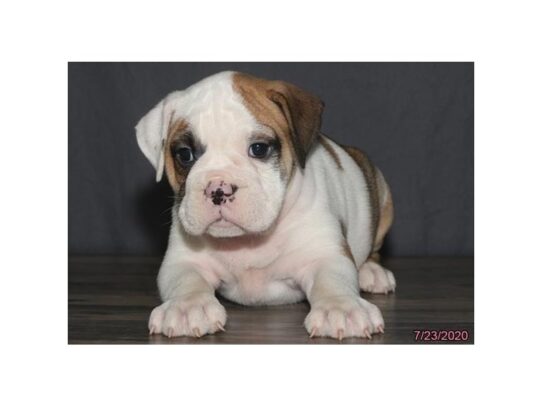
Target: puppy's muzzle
[(220, 192)]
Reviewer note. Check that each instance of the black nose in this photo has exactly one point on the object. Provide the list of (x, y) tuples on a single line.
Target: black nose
[(220, 191), (218, 196)]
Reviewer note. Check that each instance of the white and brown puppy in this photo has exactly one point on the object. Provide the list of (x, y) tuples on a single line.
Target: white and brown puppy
[(267, 209)]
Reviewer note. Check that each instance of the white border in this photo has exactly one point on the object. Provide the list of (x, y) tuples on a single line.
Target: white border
[(40, 37)]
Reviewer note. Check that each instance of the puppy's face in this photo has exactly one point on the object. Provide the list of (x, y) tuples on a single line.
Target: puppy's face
[(229, 145)]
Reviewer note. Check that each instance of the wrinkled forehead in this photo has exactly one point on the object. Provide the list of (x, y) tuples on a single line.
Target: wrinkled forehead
[(213, 110)]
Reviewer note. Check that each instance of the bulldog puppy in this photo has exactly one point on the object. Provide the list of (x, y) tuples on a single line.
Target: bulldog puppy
[(267, 209)]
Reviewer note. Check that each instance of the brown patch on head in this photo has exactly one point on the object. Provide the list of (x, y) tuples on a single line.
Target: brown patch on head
[(369, 171), (176, 173), (294, 115), (330, 150)]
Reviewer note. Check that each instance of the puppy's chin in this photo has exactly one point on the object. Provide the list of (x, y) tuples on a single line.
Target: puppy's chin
[(223, 228)]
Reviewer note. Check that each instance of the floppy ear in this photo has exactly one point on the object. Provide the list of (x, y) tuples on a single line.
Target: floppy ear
[(151, 133), (303, 113)]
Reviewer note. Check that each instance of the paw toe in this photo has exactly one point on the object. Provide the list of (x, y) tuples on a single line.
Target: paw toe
[(178, 318), (374, 278), (342, 319)]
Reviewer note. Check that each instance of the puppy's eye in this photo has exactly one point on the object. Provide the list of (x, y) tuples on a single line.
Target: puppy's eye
[(259, 150), (184, 155)]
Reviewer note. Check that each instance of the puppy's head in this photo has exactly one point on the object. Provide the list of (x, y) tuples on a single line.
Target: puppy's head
[(229, 145)]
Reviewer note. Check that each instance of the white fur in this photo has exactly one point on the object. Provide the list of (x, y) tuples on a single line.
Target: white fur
[(288, 243), (376, 279), (216, 114)]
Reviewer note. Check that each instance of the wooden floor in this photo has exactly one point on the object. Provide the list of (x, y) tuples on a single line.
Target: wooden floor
[(110, 299)]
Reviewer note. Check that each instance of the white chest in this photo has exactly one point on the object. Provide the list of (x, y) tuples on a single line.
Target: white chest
[(257, 277), (257, 287)]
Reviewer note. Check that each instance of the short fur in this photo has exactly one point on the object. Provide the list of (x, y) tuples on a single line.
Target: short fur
[(305, 223)]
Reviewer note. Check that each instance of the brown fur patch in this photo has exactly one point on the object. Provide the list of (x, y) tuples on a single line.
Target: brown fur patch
[(386, 219), (292, 113), (375, 256), (330, 150), (176, 173), (380, 199)]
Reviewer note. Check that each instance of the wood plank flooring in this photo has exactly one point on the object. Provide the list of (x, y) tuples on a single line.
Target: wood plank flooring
[(110, 299)]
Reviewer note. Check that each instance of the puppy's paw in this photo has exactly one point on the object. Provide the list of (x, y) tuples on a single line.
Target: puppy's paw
[(193, 316), (373, 278), (344, 317)]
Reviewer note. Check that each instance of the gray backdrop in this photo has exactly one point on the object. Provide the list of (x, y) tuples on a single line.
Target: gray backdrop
[(414, 119)]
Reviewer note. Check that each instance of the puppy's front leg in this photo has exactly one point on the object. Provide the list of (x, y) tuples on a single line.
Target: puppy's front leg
[(337, 310), (190, 307)]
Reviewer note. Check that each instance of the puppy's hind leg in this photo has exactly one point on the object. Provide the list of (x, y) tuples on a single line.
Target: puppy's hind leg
[(374, 278)]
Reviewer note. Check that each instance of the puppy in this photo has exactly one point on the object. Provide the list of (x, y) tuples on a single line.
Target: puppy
[(267, 209)]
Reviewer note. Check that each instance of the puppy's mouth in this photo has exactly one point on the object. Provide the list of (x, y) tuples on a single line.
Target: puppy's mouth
[(224, 220), (223, 223), (224, 227)]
